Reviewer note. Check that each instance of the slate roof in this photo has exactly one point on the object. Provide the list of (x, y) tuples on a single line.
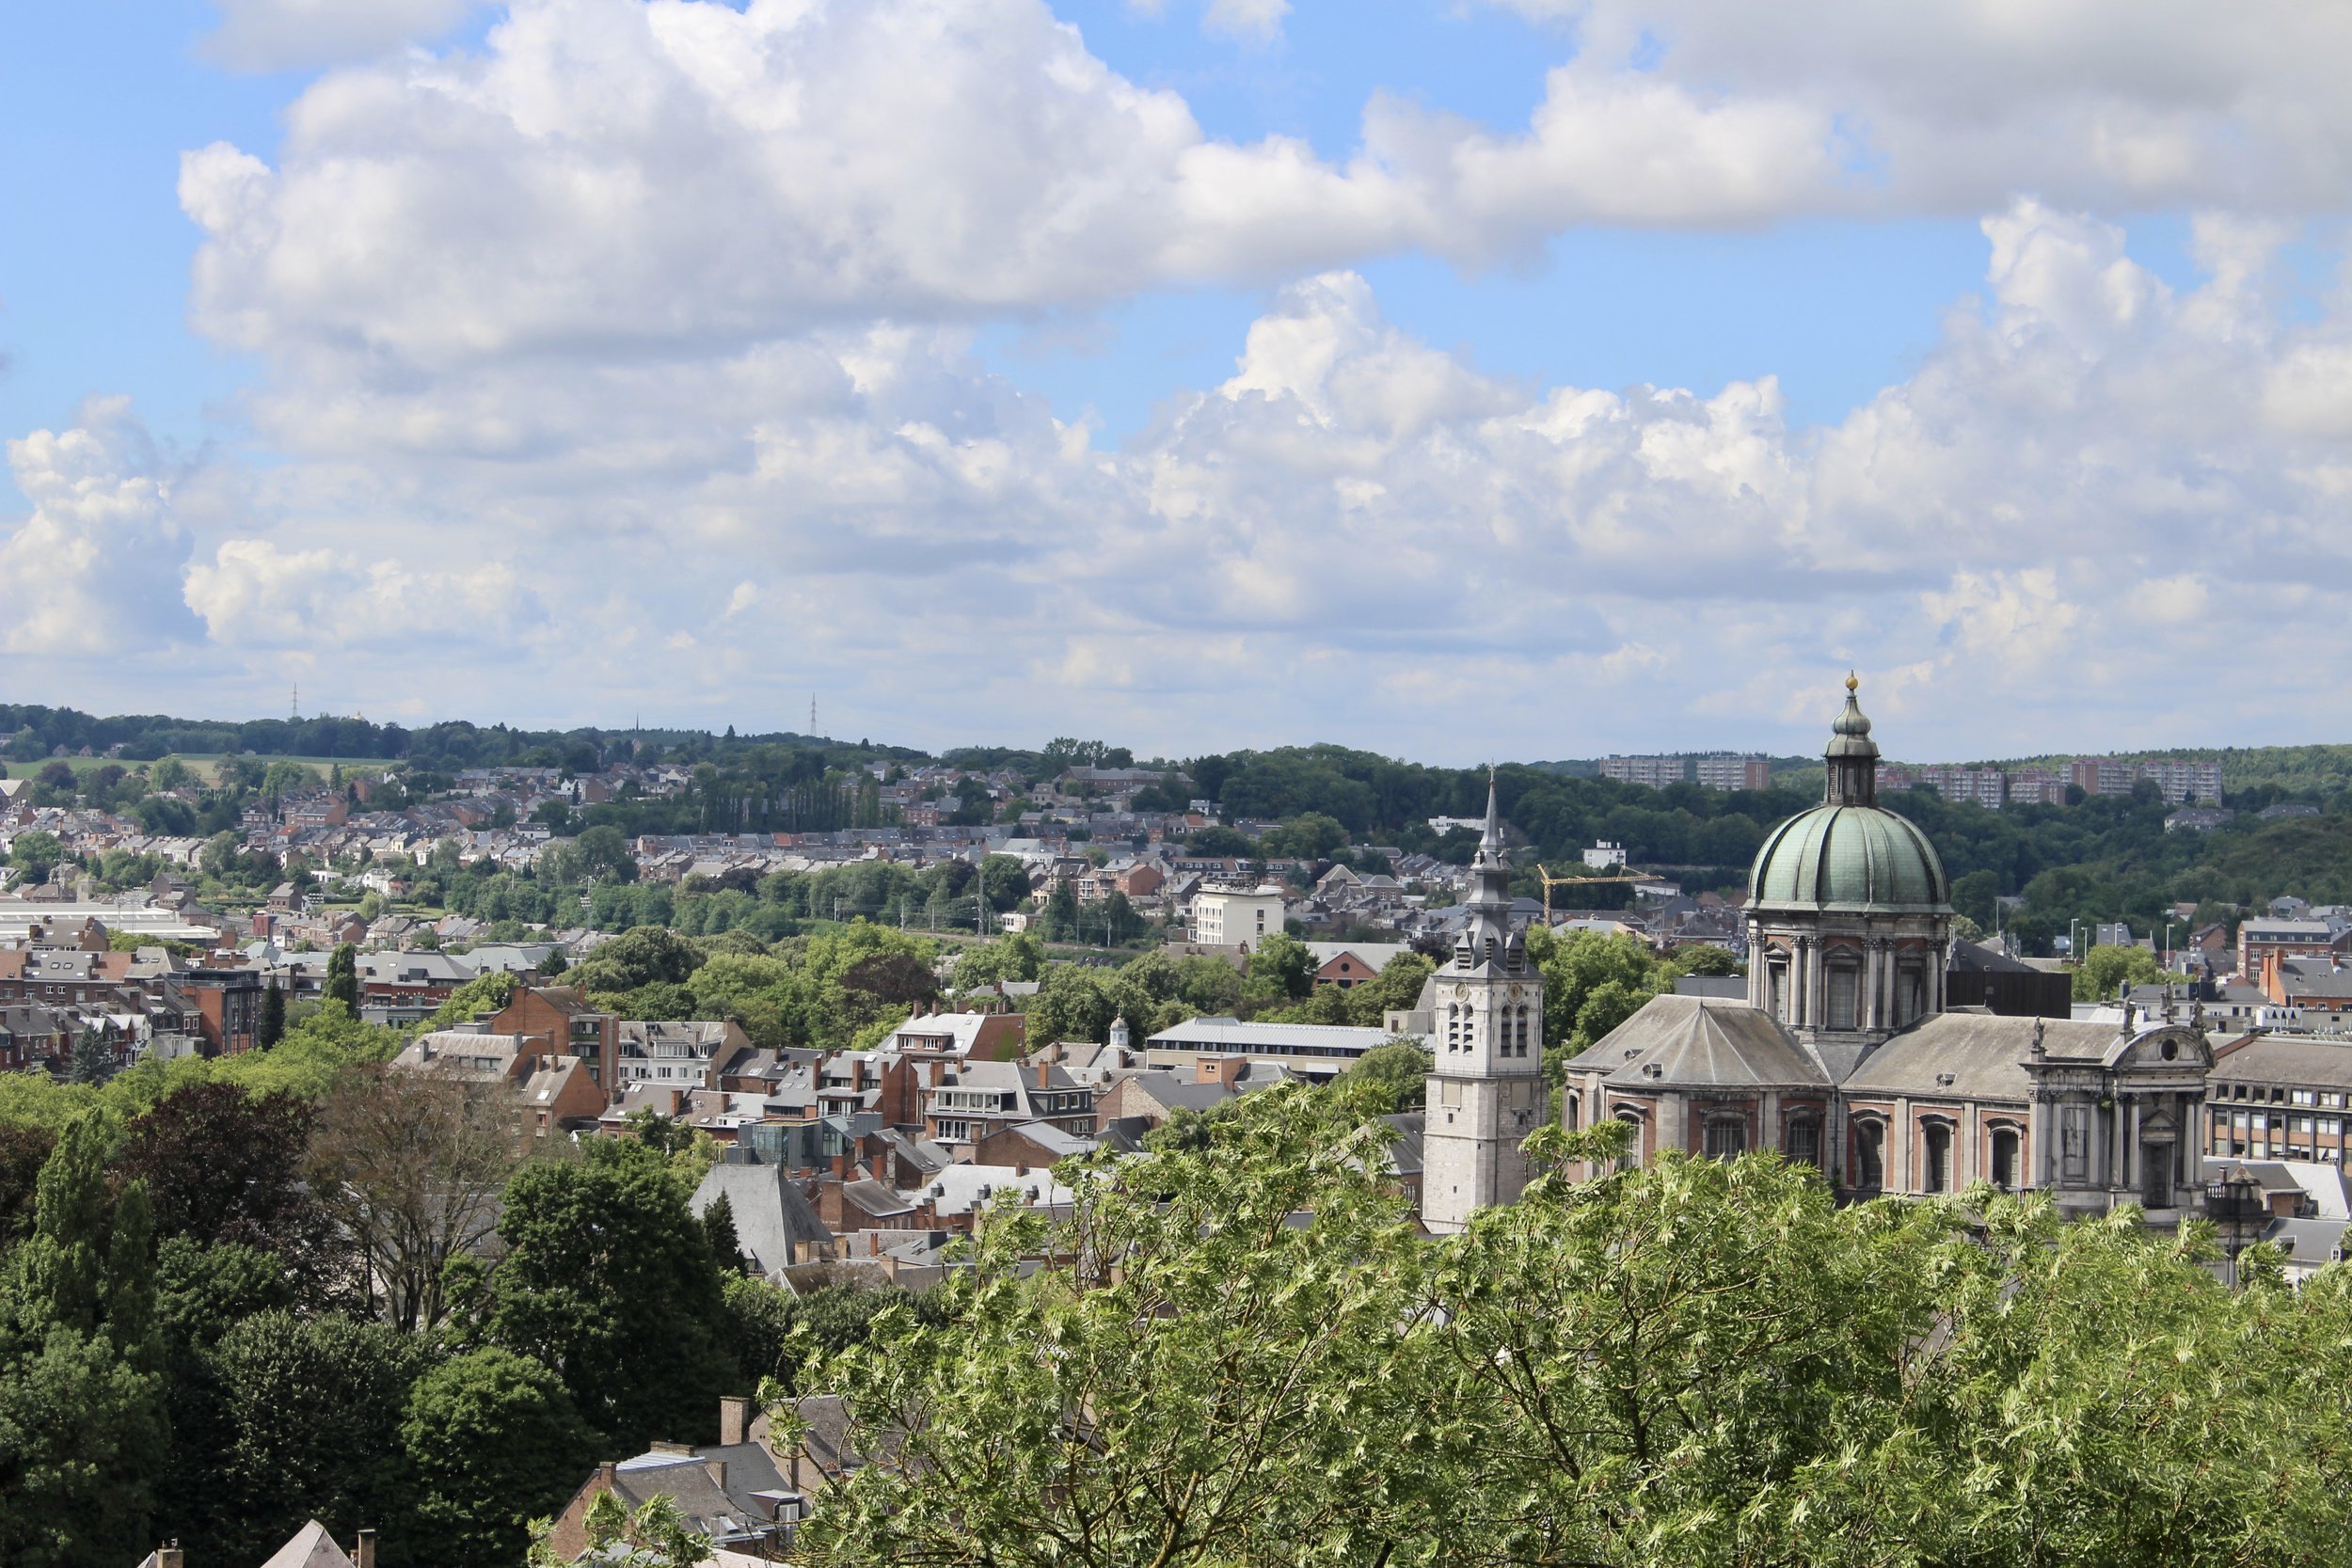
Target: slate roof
[(2284, 1059), (1702, 1041), (312, 1548), (1984, 1054), (770, 1215)]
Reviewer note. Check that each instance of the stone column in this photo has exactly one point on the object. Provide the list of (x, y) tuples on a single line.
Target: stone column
[(2035, 1166)]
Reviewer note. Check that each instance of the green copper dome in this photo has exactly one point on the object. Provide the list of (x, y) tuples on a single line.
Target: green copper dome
[(1849, 853), (1864, 859)]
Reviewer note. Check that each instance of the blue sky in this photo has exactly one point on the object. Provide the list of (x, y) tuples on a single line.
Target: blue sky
[(388, 444)]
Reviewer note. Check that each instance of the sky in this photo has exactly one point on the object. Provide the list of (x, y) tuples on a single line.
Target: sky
[(1458, 379)]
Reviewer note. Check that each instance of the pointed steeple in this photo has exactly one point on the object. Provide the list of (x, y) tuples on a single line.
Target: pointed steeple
[(1490, 838)]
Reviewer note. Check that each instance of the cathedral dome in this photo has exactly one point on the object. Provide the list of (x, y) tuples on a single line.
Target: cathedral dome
[(1849, 853), (1864, 859)]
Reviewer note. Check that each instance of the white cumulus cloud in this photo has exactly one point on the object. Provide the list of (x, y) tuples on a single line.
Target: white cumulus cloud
[(94, 569)]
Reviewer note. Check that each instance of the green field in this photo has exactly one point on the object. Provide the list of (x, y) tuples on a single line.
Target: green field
[(206, 767)]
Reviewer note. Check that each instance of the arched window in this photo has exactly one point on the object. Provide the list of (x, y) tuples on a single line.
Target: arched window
[(1568, 1109), (2005, 1158), (1869, 1141), (1935, 1146), (1911, 991), (1452, 1026), (1780, 991), (1521, 1050), (1633, 1160)]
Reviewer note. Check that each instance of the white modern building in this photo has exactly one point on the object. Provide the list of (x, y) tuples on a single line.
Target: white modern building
[(1235, 916)]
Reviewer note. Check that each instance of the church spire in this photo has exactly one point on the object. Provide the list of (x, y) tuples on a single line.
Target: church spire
[(1490, 839)]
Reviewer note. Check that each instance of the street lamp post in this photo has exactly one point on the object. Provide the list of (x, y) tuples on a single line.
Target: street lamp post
[(2233, 1191)]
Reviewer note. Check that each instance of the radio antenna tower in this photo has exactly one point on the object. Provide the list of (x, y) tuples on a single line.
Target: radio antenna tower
[(812, 715), (294, 708)]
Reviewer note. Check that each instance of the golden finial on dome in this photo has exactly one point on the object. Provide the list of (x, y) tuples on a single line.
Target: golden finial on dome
[(1852, 681)]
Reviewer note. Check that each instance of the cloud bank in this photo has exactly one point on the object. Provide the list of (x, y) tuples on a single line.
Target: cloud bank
[(628, 357)]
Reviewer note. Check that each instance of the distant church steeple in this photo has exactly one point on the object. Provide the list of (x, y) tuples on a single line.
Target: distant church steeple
[(1487, 1025)]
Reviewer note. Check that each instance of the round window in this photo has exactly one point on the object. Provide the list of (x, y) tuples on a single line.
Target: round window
[(2172, 1048)]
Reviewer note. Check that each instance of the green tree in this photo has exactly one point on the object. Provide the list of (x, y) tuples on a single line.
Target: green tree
[(608, 1281), (170, 772), (639, 957), (1015, 955), (1059, 920), (227, 1165), (1696, 959), (655, 1535), (1232, 1393), (605, 855), (726, 1248), (273, 1025), (1393, 1076), (93, 1060), (81, 1434), (2105, 971), (36, 854), (1073, 1003), (310, 1428), (1281, 969), (342, 977), (1576, 967), (493, 1441)]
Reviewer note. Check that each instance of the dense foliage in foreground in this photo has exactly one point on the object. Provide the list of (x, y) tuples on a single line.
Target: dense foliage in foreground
[(1699, 1362)]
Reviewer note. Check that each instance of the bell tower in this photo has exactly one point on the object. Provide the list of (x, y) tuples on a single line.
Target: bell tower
[(1486, 1028)]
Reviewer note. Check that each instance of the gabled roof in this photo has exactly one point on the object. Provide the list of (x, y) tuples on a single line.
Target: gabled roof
[(771, 1217), (1687, 1041), (312, 1548)]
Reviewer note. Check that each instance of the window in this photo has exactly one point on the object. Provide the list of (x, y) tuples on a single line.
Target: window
[(2304, 1097), (2075, 1141), (1869, 1166), (1726, 1137), (1633, 1160), (1804, 1140), (1845, 988), (1937, 1143), (1780, 993), (1567, 1111), (2004, 1159)]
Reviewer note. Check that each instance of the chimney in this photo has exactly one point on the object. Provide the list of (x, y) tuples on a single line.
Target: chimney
[(734, 1421), (168, 1555), (718, 1468), (1044, 1071), (608, 1475), (363, 1556), (873, 1244)]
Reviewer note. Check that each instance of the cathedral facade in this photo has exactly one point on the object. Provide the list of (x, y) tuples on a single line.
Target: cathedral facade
[(1845, 1055)]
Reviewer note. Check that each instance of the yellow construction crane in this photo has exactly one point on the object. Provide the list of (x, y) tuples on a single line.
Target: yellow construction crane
[(1551, 881)]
